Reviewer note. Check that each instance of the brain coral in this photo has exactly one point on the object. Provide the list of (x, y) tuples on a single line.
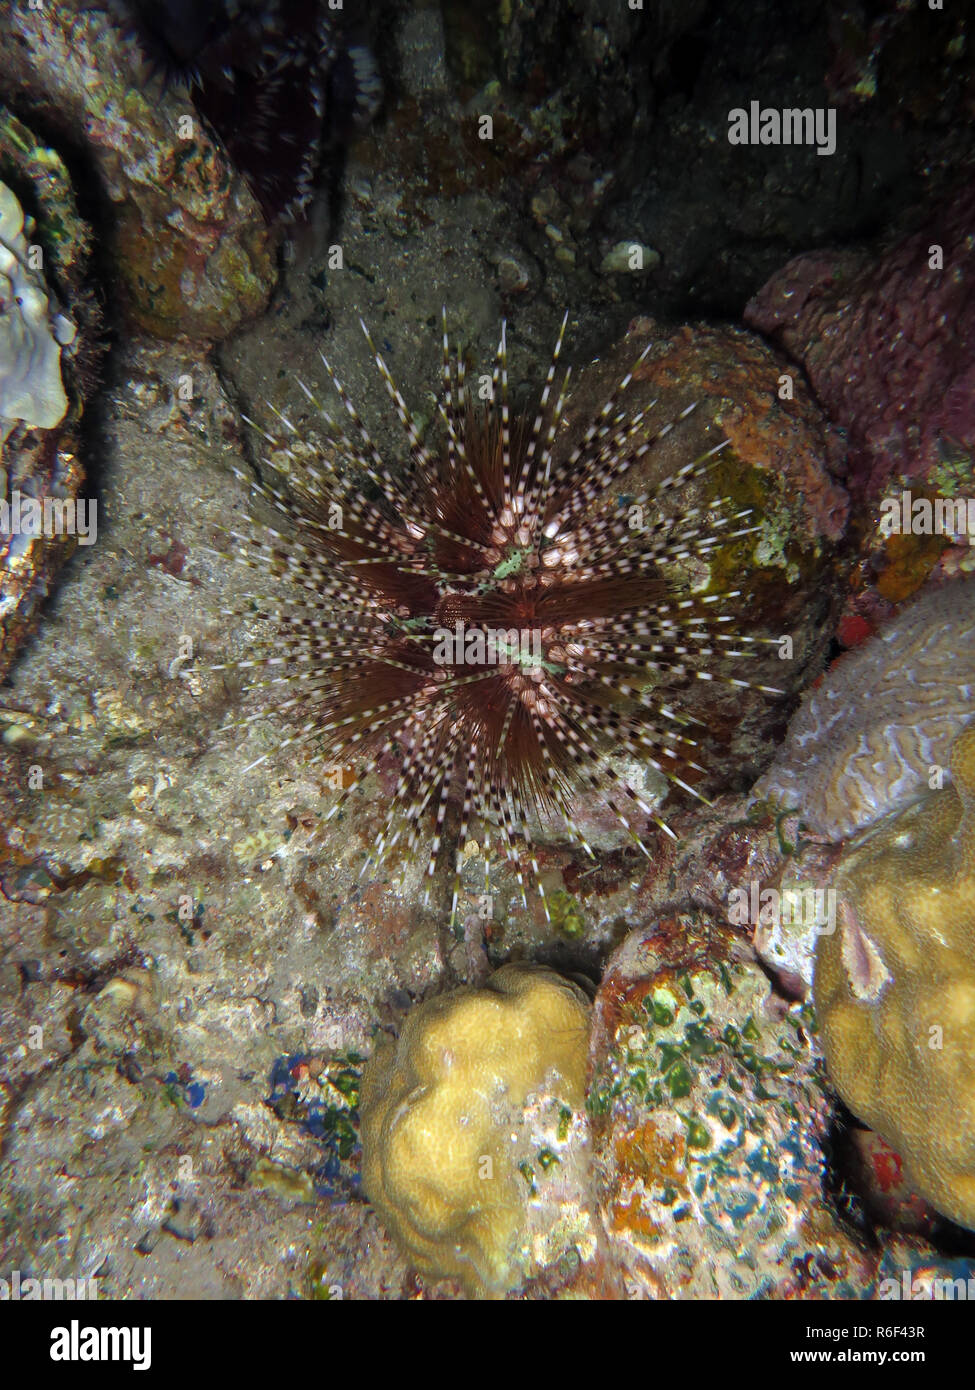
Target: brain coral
[(895, 987), (865, 741), (438, 1112)]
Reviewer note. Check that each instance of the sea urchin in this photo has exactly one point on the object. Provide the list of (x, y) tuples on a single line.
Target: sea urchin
[(490, 613), (282, 82)]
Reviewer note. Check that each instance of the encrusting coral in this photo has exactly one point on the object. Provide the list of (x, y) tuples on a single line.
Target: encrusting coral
[(708, 1120), (44, 264), (31, 335), (894, 987), (439, 1109)]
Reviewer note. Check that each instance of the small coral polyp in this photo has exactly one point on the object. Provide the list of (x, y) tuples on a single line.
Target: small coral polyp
[(895, 987), (440, 1111)]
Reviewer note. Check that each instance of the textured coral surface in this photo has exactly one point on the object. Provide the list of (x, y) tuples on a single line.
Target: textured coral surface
[(190, 248), (438, 1111), (46, 366), (31, 334), (895, 988), (778, 568), (869, 331), (869, 737), (709, 1115)]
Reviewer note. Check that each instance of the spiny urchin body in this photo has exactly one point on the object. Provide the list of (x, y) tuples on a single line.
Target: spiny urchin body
[(278, 80), (490, 615)]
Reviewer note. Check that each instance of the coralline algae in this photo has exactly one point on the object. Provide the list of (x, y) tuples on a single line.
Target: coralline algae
[(869, 330), (867, 741), (709, 1116)]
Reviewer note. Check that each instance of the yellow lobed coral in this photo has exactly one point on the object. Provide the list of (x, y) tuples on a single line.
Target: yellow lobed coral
[(441, 1110), (895, 987)]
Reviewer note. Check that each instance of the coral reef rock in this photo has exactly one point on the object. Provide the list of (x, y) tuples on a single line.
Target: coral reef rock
[(776, 567), (708, 1111), (881, 724), (469, 1124), (43, 262), (31, 333), (894, 988), (868, 329), (274, 78), (190, 246)]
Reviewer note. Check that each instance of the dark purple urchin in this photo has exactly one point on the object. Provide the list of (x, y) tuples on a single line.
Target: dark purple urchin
[(574, 648), (173, 34), (278, 80)]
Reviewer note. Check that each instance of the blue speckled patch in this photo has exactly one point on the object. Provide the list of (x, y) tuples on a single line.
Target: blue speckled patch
[(332, 1125)]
